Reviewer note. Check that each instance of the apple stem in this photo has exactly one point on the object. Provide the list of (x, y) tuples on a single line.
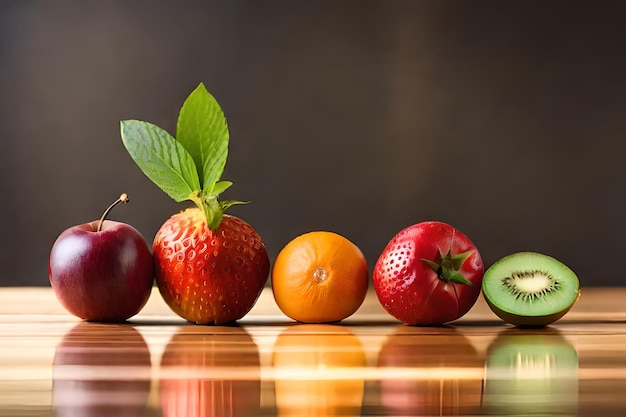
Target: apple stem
[(123, 199)]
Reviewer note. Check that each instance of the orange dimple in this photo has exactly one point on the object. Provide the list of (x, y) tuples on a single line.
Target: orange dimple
[(319, 277)]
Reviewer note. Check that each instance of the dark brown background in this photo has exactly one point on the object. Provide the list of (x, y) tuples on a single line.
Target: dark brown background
[(505, 119)]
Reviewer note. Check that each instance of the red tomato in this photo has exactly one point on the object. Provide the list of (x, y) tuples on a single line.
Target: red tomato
[(429, 273)]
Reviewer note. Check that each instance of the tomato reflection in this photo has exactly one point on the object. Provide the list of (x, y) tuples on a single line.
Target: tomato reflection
[(429, 373), (316, 369), (210, 371), (101, 370), (531, 372)]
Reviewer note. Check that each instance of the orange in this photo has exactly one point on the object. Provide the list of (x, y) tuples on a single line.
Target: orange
[(319, 277)]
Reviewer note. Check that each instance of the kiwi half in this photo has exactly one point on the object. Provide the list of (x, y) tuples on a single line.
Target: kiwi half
[(530, 289)]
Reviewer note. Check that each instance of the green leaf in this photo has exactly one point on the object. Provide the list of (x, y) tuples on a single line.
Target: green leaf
[(165, 161), (219, 187), (224, 205), (203, 131)]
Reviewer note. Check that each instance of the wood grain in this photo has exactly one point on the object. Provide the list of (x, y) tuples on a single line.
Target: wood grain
[(159, 365)]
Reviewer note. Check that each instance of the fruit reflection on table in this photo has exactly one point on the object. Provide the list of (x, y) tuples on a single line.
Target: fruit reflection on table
[(429, 371), (317, 371), (101, 370), (210, 371), (531, 372)]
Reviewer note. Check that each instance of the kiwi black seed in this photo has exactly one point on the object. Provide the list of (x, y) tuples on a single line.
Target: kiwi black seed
[(530, 289)]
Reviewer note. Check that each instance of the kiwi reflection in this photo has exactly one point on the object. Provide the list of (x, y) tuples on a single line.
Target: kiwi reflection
[(316, 371), (531, 372), (101, 370), (429, 373), (210, 371)]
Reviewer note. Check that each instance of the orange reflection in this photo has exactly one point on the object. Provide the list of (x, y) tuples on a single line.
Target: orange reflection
[(531, 372), (101, 370), (210, 371), (429, 373), (316, 371)]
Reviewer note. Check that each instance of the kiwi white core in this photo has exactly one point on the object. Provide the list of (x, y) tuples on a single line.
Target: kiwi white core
[(530, 284)]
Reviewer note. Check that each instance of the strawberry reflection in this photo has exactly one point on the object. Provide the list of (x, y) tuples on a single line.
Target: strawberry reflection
[(210, 371), (101, 370), (429, 373), (316, 369), (531, 372)]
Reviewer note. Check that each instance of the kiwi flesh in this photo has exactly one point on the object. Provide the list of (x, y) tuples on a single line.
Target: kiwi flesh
[(530, 289)]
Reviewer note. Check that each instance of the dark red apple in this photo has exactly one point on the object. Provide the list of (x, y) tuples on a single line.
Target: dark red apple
[(103, 270)]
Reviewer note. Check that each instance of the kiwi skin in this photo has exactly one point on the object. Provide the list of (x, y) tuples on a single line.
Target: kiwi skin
[(521, 320), (529, 321)]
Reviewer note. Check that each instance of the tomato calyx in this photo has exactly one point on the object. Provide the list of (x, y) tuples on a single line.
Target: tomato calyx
[(447, 266)]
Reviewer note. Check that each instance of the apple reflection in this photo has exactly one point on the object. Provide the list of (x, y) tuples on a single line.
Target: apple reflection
[(428, 372), (101, 370), (531, 372), (210, 371), (317, 369)]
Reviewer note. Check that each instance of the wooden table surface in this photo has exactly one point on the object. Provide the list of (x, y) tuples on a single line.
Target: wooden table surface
[(158, 365)]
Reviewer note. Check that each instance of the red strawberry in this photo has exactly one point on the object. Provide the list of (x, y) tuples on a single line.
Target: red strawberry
[(210, 267), (209, 276)]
